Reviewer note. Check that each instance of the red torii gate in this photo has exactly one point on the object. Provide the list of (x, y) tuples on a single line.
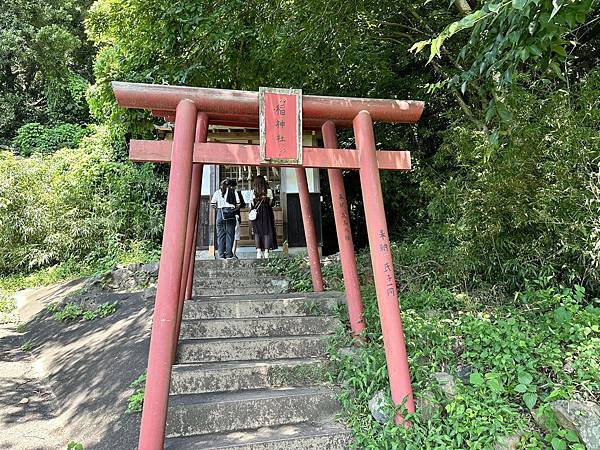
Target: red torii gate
[(193, 109)]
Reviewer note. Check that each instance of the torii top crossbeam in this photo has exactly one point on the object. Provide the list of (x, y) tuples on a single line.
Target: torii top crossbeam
[(240, 108)]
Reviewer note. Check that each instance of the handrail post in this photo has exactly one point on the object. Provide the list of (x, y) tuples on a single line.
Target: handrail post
[(310, 233), (160, 357), (383, 269), (344, 236)]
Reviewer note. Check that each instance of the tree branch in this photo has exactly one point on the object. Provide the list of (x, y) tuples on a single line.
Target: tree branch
[(394, 24), (463, 7), (461, 102)]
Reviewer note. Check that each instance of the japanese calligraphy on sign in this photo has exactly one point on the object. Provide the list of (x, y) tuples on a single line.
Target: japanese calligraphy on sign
[(280, 125)]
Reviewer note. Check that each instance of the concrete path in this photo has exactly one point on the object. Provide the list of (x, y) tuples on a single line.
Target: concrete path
[(29, 417), (77, 375)]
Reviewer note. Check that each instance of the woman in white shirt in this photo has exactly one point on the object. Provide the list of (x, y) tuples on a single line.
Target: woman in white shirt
[(238, 217), (224, 200)]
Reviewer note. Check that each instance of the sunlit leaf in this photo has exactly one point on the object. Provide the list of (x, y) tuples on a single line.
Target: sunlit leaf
[(530, 399)]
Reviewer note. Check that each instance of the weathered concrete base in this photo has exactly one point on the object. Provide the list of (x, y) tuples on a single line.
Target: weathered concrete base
[(250, 367), (263, 305), (259, 327), (245, 375), (250, 349), (288, 437), (218, 412)]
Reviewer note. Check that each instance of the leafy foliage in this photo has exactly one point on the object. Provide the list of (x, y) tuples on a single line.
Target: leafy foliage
[(76, 205), (527, 206), (135, 402), (34, 137), (72, 311), (507, 33), (27, 346), (45, 63)]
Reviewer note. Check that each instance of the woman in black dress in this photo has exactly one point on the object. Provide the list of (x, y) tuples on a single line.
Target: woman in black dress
[(263, 226)]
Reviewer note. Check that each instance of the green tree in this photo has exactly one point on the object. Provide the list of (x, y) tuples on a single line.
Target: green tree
[(45, 63), (545, 38)]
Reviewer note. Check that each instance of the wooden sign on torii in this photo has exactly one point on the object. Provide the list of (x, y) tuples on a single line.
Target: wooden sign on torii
[(193, 109)]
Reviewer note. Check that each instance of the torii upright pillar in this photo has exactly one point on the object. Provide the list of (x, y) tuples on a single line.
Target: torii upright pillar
[(201, 136), (344, 236), (383, 268), (152, 432), (310, 234)]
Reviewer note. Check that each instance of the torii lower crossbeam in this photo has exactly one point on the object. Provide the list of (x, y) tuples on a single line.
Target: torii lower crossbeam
[(249, 155)]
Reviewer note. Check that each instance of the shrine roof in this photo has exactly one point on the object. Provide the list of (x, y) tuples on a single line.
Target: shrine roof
[(241, 109)]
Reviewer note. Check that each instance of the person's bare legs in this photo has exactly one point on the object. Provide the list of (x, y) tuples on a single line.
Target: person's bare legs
[(258, 250)]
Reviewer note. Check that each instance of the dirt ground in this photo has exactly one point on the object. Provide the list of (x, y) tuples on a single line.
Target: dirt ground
[(73, 384)]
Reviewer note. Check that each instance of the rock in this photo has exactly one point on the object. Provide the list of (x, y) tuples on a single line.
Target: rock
[(281, 286), (463, 372), (377, 406), (583, 417), (121, 278), (150, 268), (149, 293), (426, 405), (539, 419), (96, 284), (431, 313), (447, 384), (24, 401), (508, 442), (568, 366), (331, 259)]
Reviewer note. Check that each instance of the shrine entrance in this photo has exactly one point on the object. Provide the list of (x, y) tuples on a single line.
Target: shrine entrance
[(281, 116), (282, 182)]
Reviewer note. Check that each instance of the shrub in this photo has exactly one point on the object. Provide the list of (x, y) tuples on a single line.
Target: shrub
[(529, 204), (78, 205), (35, 137)]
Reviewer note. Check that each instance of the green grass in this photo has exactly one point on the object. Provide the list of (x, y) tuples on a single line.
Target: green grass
[(524, 350), (13, 283), (135, 402), (9, 284)]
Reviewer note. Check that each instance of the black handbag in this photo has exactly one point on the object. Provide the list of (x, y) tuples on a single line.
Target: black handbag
[(229, 213)]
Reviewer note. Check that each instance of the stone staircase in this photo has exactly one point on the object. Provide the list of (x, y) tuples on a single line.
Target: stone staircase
[(250, 366)]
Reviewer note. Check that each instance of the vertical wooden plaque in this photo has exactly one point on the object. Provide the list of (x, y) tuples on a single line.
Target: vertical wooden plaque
[(280, 125)]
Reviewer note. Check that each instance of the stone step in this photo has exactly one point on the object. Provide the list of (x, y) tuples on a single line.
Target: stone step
[(247, 375), (230, 263), (258, 327), (265, 305), (233, 281), (199, 414), (225, 288), (250, 349), (242, 272), (303, 436)]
